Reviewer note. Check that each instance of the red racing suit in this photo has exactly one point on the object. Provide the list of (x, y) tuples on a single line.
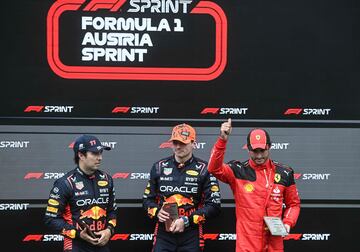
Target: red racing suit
[(259, 190)]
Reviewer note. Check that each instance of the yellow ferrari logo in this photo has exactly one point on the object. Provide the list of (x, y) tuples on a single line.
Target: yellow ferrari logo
[(277, 177)]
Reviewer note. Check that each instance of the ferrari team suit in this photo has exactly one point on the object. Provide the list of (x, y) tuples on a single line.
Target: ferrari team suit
[(259, 190), (196, 193), (77, 196)]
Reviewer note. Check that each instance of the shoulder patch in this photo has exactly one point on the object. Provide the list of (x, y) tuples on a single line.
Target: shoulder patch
[(242, 170)]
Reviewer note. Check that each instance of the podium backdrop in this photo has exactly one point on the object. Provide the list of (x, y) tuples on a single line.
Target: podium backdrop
[(129, 70)]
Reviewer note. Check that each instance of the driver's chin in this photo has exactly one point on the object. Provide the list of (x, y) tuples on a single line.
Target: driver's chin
[(259, 161), (180, 155)]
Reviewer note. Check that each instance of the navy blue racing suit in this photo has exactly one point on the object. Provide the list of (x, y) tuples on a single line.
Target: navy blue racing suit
[(196, 193), (77, 196)]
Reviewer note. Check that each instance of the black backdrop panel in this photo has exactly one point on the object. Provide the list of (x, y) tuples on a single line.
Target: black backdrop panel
[(280, 55)]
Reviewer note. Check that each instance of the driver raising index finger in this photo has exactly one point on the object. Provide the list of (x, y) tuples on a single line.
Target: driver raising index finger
[(225, 129)]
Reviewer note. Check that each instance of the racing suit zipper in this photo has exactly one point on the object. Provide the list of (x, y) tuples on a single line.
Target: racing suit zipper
[(267, 179), (96, 193), (265, 236)]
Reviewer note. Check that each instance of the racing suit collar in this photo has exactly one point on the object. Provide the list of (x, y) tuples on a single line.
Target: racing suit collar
[(181, 165), (267, 165), (84, 174)]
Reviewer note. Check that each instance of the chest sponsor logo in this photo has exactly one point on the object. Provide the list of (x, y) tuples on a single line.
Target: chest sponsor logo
[(183, 189), (277, 177), (81, 193), (93, 213), (214, 188), (179, 200), (248, 187), (52, 209), (53, 202), (167, 171), (55, 196), (166, 178), (88, 202), (79, 185), (191, 179), (276, 190), (192, 173), (102, 183)]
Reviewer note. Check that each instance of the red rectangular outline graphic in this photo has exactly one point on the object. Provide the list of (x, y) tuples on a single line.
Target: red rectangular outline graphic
[(136, 73)]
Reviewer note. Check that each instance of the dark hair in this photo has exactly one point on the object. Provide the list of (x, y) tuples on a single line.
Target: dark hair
[(76, 156)]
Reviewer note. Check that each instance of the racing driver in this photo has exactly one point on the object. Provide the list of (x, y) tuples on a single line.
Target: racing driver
[(181, 179), (261, 187), (81, 204)]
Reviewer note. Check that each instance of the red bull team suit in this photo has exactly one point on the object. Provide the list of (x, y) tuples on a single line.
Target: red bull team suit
[(259, 190), (196, 193), (77, 196)]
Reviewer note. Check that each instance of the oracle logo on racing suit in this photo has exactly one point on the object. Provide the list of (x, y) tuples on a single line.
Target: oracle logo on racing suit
[(88, 202), (183, 189)]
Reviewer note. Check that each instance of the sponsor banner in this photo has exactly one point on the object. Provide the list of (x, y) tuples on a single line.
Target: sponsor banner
[(136, 110), (233, 111), (13, 206), (308, 112), (49, 109), (127, 39), (131, 175), (150, 237), (43, 175), (14, 144)]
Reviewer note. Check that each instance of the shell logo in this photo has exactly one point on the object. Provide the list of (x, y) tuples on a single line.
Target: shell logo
[(249, 187), (102, 183), (192, 172)]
